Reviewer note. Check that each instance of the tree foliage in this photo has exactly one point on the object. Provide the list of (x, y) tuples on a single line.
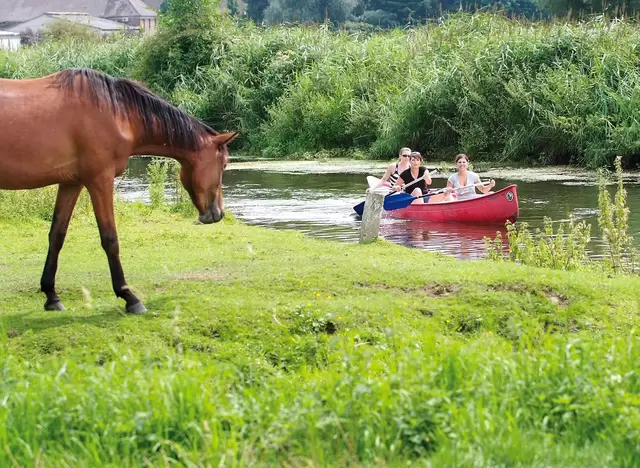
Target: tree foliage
[(185, 41), (255, 9), (336, 11), (399, 13), (391, 13)]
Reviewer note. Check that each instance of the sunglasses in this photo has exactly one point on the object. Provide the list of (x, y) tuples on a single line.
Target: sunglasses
[(404, 155)]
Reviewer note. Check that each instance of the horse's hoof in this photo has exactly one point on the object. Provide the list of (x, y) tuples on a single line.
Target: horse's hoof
[(54, 306), (137, 308)]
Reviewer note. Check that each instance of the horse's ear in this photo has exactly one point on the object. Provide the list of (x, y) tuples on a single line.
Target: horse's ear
[(225, 138)]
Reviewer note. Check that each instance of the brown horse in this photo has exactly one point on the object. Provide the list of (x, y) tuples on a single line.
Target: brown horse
[(78, 128)]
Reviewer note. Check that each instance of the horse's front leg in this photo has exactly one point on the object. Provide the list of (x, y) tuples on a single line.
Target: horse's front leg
[(65, 202), (101, 192)]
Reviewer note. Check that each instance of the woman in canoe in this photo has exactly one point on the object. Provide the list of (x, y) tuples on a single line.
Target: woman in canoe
[(395, 169), (462, 185), (415, 171)]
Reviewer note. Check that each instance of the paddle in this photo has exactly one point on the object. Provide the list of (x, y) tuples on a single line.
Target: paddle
[(403, 199), (359, 208)]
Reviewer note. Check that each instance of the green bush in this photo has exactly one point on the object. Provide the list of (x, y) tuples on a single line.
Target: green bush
[(191, 34)]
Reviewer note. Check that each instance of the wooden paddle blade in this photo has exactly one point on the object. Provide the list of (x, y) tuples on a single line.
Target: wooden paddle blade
[(395, 202), (359, 208)]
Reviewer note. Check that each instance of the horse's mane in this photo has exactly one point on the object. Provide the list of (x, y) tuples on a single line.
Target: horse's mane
[(126, 97)]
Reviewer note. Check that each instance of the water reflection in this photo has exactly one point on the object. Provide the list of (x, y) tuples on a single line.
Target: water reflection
[(460, 240), (318, 201)]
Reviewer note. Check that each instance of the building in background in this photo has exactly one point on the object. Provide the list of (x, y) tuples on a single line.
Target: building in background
[(132, 14), (9, 40), (96, 25)]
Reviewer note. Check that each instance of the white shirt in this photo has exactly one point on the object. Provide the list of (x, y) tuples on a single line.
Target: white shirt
[(469, 191)]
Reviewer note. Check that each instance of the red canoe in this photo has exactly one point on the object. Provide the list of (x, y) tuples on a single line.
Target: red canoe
[(497, 207)]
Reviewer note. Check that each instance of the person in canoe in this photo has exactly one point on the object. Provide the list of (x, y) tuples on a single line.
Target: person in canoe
[(393, 171), (415, 172), (462, 184)]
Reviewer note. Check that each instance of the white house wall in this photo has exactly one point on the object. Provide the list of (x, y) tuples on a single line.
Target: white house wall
[(10, 42)]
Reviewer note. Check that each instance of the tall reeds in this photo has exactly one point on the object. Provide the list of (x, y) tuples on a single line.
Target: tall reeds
[(495, 87)]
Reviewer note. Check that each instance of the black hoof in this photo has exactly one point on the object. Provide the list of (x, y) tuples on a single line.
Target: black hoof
[(57, 305), (137, 308)]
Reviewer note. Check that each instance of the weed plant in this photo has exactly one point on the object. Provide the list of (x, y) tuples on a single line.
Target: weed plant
[(157, 175), (561, 251), (181, 202), (545, 248)]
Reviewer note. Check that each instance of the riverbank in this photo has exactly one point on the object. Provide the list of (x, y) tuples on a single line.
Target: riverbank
[(265, 347), (514, 172)]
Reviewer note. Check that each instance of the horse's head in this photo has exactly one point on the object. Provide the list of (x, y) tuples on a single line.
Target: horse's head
[(202, 177)]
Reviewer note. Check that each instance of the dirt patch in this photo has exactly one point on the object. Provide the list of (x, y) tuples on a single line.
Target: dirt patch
[(553, 296), (519, 288), (2, 265), (385, 287), (441, 290), (557, 298), (433, 290), (199, 276)]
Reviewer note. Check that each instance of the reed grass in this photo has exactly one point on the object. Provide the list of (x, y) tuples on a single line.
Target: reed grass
[(116, 56), (497, 88)]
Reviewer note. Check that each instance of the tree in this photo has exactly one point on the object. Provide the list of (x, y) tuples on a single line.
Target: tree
[(63, 30), (337, 11), (392, 13), (232, 6), (189, 29), (255, 9), (582, 7)]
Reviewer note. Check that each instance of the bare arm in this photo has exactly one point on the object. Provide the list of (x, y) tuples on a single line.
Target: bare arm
[(486, 188), (398, 186), (388, 173)]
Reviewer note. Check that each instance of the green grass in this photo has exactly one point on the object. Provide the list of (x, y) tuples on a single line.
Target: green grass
[(263, 347)]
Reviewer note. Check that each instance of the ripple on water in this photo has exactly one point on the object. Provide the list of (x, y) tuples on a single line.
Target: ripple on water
[(317, 198)]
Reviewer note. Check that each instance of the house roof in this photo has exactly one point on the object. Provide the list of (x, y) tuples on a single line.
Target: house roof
[(101, 24), (155, 4), (121, 8), (23, 10), (91, 21)]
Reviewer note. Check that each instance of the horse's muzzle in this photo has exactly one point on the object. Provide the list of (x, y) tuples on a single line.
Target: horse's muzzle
[(212, 215)]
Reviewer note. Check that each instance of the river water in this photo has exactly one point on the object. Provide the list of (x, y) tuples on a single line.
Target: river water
[(317, 198)]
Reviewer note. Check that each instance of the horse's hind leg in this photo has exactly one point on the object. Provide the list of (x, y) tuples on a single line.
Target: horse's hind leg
[(101, 192), (65, 202)]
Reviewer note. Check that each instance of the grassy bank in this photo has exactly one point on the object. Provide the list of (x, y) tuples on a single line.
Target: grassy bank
[(263, 346), (493, 87)]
